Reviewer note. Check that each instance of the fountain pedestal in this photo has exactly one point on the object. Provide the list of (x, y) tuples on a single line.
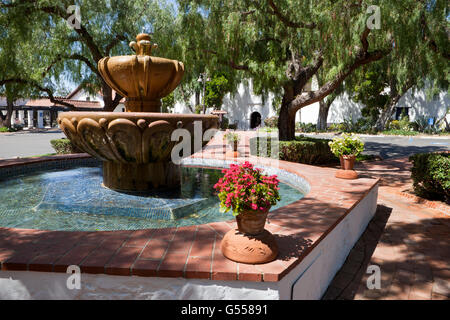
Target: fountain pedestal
[(140, 177)]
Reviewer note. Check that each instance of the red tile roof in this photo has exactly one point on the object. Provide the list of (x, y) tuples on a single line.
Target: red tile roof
[(45, 102)]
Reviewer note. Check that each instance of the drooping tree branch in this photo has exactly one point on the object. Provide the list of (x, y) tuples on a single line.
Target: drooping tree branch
[(40, 88), (363, 57), (288, 22), (114, 42)]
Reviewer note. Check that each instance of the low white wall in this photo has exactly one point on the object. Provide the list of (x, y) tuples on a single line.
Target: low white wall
[(311, 278), (308, 280), (48, 285)]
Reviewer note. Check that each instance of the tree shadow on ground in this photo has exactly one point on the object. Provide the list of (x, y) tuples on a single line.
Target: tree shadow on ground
[(415, 254)]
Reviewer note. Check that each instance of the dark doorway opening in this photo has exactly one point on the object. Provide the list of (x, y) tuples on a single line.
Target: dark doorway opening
[(401, 112), (255, 120)]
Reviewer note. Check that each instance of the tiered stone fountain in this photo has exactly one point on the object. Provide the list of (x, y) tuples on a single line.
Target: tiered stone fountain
[(135, 146)]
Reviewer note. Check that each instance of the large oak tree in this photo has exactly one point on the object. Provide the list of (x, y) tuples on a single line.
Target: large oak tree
[(282, 44), (56, 54)]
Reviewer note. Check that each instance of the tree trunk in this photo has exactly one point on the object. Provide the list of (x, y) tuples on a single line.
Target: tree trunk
[(386, 114), (286, 120), (323, 115), (9, 111), (286, 124)]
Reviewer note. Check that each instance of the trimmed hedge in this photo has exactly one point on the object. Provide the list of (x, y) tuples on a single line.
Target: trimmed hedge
[(302, 150), (431, 175), (64, 146)]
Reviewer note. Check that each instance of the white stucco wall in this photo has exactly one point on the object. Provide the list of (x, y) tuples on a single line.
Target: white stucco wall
[(47, 285), (83, 95), (421, 106), (244, 102)]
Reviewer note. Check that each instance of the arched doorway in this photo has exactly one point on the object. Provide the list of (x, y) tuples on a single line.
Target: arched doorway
[(255, 120)]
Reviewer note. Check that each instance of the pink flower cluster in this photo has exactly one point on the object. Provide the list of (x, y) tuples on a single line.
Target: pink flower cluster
[(244, 187)]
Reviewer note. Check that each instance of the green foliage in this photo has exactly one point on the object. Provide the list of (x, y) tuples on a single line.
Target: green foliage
[(4, 129), (232, 137), (45, 51), (167, 103), (346, 145), (64, 146), (305, 127), (370, 91), (399, 132), (198, 109), (271, 122), (431, 175), (216, 89), (302, 150), (402, 125), (225, 123)]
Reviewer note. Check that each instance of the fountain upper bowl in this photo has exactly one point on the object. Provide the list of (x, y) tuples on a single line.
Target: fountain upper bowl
[(141, 77)]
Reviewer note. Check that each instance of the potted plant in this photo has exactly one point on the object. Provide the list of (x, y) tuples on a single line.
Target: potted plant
[(346, 148), (249, 195), (233, 140)]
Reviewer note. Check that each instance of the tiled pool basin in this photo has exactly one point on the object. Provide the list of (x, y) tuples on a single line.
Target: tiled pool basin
[(314, 235), (73, 199)]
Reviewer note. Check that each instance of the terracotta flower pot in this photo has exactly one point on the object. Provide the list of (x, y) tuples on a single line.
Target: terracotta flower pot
[(252, 222), (346, 171), (234, 153), (234, 145), (347, 161), (250, 242)]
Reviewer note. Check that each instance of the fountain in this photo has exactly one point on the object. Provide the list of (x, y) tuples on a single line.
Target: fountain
[(136, 146)]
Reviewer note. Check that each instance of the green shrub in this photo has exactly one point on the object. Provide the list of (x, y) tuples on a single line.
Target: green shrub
[(198, 109), (394, 125), (305, 127), (302, 150), (64, 146), (400, 132), (225, 123), (431, 175), (4, 129), (271, 122)]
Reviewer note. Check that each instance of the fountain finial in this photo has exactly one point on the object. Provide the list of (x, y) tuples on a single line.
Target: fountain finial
[(143, 46)]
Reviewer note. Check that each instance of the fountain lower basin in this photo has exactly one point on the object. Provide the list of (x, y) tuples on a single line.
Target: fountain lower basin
[(136, 148), (73, 199)]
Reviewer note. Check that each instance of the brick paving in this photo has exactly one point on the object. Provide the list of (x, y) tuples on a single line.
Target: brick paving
[(408, 240)]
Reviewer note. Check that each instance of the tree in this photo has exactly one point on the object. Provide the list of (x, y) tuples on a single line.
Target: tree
[(281, 45), (216, 89), (72, 53)]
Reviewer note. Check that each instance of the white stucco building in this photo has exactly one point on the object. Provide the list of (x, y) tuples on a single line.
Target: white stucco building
[(244, 106)]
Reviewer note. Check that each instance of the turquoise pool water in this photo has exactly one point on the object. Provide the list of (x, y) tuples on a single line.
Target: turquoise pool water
[(74, 200)]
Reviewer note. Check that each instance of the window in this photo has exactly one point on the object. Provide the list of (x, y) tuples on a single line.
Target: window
[(401, 112)]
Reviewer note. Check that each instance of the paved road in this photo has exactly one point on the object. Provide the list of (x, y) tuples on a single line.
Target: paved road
[(396, 146), (26, 144)]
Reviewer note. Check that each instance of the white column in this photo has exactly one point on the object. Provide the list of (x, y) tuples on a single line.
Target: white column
[(21, 115), (30, 119), (40, 122)]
